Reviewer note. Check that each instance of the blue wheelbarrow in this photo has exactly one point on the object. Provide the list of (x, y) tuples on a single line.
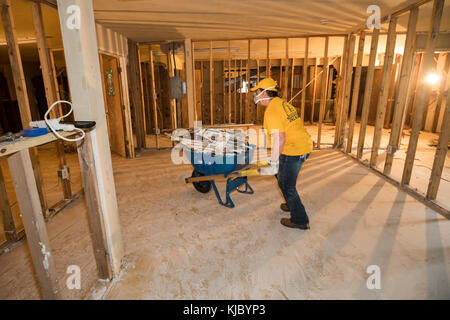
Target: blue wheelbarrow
[(234, 169)]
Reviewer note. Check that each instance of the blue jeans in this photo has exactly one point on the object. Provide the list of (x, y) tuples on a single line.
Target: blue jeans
[(289, 167)]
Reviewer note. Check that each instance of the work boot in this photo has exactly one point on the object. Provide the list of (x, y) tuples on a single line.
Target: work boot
[(284, 207), (288, 223)]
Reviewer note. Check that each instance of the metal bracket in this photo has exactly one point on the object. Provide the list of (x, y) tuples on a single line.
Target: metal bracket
[(64, 173)]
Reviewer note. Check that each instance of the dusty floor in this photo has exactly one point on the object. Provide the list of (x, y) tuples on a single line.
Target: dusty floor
[(182, 244)]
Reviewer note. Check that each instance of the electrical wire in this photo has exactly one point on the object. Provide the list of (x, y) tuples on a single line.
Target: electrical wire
[(47, 121)]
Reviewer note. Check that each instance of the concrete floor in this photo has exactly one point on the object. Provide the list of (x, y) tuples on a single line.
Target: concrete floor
[(182, 244)]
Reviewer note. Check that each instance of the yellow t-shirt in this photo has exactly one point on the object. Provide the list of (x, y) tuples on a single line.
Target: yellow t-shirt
[(283, 117)]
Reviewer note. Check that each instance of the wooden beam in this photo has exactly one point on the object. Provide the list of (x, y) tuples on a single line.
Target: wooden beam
[(396, 13), (368, 91), (304, 79), (347, 84), (21, 88), (292, 78), (81, 54), (240, 91), (141, 92), (441, 152), (313, 101), (340, 90), (91, 192), (323, 95), (247, 78), (154, 97), (286, 73), (423, 90), (268, 59), (392, 89), (190, 88), (234, 91), (355, 96), (5, 208), (384, 91), (440, 99), (224, 94), (211, 82), (403, 86), (50, 90), (15, 62), (257, 106), (173, 104), (34, 224), (135, 94), (229, 81)]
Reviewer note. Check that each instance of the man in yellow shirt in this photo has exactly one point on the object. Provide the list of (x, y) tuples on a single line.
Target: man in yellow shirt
[(291, 146)]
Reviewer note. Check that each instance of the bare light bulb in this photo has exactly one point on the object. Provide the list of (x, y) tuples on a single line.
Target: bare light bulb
[(433, 78)]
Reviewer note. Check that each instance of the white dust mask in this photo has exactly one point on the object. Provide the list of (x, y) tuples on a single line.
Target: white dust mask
[(258, 100)]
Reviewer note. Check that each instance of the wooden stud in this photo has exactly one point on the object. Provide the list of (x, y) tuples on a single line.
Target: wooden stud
[(6, 213), (154, 97), (91, 193), (440, 99), (21, 88), (355, 96), (415, 70), (347, 83), (229, 81), (392, 89), (173, 105), (211, 82), (313, 101), (257, 106), (34, 224), (234, 91), (304, 79), (368, 91), (247, 78), (441, 152), (384, 91), (50, 89), (340, 89), (240, 91), (135, 94), (323, 96), (286, 73), (15, 62), (224, 94), (190, 83), (423, 90), (95, 154), (268, 59), (199, 102), (280, 83), (141, 87), (292, 77), (404, 83)]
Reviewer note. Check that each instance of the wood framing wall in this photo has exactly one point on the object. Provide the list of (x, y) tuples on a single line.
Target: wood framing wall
[(402, 97)]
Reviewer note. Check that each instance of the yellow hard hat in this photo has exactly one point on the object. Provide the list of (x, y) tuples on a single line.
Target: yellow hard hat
[(267, 83)]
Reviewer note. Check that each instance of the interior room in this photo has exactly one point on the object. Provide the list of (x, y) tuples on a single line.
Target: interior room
[(103, 210)]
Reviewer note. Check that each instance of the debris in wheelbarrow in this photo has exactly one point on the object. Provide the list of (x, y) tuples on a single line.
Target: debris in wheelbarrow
[(214, 141), (220, 155)]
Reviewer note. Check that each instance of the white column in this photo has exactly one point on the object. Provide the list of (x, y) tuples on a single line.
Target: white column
[(83, 68)]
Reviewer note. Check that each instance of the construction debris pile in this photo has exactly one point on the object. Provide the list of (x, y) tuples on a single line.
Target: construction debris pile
[(213, 141)]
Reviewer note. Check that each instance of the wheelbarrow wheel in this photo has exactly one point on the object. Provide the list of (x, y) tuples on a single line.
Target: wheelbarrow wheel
[(201, 186)]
